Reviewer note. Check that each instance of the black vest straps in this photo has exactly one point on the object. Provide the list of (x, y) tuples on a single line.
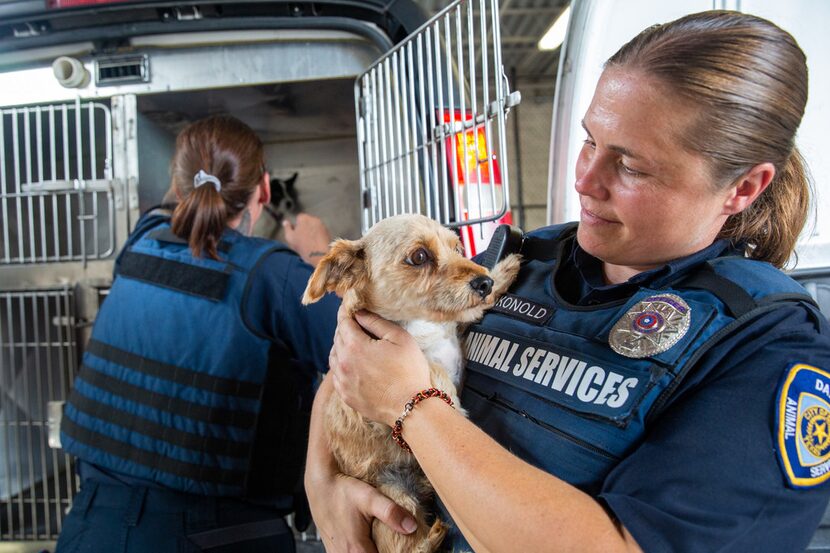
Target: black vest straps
[(737, 300), (152, 460), (508, 239)]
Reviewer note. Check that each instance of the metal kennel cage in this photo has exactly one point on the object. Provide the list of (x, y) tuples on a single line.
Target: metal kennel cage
[(57, 216), (431, 122), (38, 360)]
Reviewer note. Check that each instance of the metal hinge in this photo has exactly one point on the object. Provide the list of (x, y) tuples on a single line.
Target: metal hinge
[(188, 13), (29, 30)]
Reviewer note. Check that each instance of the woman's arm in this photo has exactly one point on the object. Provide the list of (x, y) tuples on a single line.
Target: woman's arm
[(501, 503), (343, 507), (308, 236)]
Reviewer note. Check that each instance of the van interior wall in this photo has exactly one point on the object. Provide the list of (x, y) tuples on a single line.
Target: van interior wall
[(531, 120), (308, 128)]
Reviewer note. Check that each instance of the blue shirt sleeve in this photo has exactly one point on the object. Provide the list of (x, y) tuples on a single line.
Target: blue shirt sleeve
[(707, 477), (272, 309)]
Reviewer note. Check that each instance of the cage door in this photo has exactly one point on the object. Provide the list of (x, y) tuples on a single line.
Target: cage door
[(38, 361), (431, 125), (56, 184)]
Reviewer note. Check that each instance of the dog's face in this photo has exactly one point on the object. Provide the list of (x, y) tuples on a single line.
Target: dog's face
[(407, 267)]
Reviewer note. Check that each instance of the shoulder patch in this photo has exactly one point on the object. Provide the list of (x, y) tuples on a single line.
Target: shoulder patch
[(803, 425)]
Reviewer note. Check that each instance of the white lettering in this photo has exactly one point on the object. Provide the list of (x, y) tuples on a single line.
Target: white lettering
[(621, 396), (571, 376), (594, 375), (470, 343), (580, 367), (563, 372), (522, 364), (501, 352), (544, 374), (534, 363), (523, 307), (488, 346), (818, 470), (472, 354), (790, 417), (508, 359)]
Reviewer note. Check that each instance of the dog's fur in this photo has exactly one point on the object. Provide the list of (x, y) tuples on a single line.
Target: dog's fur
[(380, 273)]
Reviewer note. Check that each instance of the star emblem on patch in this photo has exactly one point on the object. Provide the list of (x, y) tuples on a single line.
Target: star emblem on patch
[(803, 425)]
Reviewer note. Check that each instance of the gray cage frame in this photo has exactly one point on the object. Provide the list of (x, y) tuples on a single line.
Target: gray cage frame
[(450, 64)]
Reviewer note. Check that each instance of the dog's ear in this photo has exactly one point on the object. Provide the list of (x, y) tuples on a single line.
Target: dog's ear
[(341, 269)]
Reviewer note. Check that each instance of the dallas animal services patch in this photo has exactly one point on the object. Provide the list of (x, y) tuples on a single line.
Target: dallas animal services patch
[(803, 421)]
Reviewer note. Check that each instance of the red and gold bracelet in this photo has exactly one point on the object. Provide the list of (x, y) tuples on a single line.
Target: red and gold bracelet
[(397, 429)]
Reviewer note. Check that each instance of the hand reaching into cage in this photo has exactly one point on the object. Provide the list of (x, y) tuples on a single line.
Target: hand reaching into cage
[(308, 236)]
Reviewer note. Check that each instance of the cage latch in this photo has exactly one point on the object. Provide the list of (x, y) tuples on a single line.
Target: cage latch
[(54, 414)]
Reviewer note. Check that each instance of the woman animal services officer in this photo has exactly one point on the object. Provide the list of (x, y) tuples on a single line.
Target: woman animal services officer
[(673, 397), (189, 416)]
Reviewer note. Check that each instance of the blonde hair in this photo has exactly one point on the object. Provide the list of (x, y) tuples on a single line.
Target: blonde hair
[(748, 77)]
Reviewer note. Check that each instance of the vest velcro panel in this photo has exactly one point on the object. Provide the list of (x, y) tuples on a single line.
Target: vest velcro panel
[(183, 277)]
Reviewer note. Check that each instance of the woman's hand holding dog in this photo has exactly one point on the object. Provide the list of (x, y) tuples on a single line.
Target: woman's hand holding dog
[(344, 507), (376, 366)]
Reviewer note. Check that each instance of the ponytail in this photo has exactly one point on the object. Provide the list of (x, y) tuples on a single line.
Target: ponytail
[(769, 227), (201, 219), (221, 149)]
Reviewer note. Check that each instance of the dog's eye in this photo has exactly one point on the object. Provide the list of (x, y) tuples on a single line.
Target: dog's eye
[(418, 257)]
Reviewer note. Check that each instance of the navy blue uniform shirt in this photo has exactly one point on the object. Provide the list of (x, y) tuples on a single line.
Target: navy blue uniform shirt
[(707, 477)]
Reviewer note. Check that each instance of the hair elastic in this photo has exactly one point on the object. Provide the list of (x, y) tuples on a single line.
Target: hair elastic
[(201, 178)]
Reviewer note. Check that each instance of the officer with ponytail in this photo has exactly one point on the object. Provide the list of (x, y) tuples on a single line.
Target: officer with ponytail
[(189, 417), (675, 396)]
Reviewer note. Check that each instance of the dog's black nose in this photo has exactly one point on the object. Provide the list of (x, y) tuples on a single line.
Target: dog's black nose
[(483, 285)]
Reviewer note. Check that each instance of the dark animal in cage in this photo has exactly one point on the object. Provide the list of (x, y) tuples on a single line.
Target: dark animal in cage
[(284, 200)]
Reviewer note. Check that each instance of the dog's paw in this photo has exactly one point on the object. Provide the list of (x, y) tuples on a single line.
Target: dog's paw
[(505, 272)]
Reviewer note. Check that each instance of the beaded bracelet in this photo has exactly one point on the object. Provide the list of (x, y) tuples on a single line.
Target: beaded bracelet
[(410, 405)]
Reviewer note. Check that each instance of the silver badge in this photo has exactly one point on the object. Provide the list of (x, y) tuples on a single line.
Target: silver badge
[(651, 326)]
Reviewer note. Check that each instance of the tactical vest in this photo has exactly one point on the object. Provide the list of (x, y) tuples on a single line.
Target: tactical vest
[(171, 381), (543, 381)]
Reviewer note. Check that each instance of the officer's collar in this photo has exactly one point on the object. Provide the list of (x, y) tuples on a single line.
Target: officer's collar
[(595, 291)]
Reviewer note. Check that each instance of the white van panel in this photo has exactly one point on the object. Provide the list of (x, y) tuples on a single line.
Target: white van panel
[(599, 27), (318, 55), (807, 21)]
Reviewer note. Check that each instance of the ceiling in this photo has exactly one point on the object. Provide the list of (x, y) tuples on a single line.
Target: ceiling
[(523, 22)]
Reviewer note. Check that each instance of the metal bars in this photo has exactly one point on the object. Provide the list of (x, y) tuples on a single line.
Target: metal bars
[(431, 122), (56, 187), (38, 361)]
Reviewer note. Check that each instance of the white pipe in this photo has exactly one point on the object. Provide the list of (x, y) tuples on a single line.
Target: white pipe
[(70, 72)]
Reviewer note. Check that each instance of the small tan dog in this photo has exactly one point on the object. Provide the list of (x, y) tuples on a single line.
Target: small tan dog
[(408, 269)]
